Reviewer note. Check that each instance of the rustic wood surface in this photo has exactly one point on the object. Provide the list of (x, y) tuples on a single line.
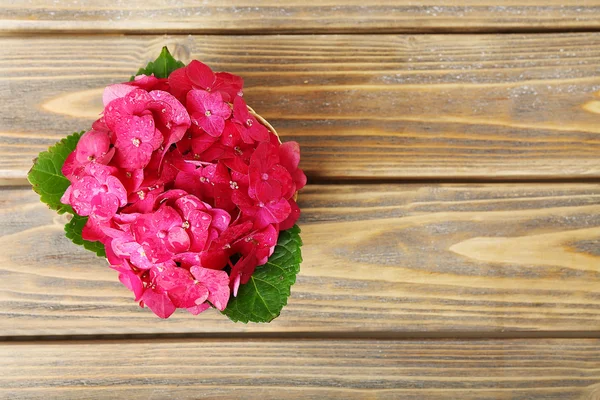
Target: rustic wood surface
[(378, 94), (302, 369), (381, 106), (269, 16), (377, 258)]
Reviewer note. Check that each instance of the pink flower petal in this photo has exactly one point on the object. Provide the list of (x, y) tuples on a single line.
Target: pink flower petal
[(93, 146), (131, 157), (194, 294), (119, 110), (104, 206), (217, 283), (133, 283), (220, 219), (158, 302), (229, 85), (198, 309), (242, 271), (289, 154), (214, 259), (281, 175), (115, 92), (279, 210), (299, 179), (236, 285), (179, 83), (174, 116), (116, 188), (66, 197), (198, 225), (149, 83), (200, 74), (187, 259), (178, 240), (292, 218), (93, 231)]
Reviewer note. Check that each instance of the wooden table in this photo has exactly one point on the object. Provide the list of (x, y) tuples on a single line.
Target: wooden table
[(451, 223)]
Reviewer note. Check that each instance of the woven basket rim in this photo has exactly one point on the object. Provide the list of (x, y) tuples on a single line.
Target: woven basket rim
[(264, 122)]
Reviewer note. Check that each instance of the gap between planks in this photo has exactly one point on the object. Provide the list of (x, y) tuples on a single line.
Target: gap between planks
[(337, 336)]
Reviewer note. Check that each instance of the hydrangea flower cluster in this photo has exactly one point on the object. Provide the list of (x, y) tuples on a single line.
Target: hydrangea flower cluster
[(184, 186)]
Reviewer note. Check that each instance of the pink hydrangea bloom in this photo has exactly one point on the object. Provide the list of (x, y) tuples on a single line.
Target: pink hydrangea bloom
[(184, 187)]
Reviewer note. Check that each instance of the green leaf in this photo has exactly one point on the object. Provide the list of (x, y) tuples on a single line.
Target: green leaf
[(46, 177), (265, 294), (162, 66), (73, 231)]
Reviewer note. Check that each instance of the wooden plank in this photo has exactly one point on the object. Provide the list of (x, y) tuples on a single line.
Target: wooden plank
[(302, 369), (377, 258), (268, 16), (466, 106)]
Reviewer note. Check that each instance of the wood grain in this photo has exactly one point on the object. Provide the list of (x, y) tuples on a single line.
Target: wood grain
[(377, 258), (302, 369), (268, 16), (398, 107)]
